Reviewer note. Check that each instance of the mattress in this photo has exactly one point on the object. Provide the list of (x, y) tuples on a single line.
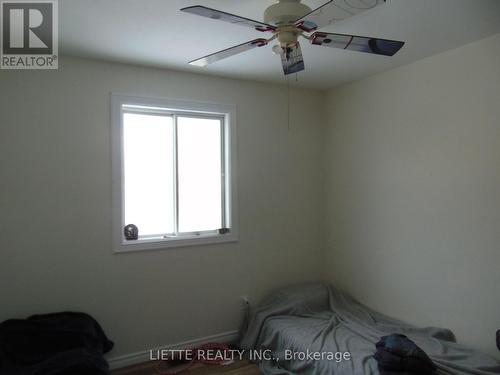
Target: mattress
[(317, 329)]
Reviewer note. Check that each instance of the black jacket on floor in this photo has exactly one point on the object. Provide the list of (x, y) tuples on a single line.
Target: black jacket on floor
[(397, 354), (53, 344)]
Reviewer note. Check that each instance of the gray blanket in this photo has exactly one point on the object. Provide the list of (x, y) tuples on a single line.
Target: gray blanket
[(315, 318)]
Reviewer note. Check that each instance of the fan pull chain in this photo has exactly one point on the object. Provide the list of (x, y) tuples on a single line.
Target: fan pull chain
[(288, 100)]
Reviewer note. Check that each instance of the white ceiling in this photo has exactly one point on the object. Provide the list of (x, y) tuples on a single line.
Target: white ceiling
[(155, 33)]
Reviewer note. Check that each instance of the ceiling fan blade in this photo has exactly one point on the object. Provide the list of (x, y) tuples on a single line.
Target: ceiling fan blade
[(215, 14), (228, 52), (357, 43), (292, 59), (334, 10)]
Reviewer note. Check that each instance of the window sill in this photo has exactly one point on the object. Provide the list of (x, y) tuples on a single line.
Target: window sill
[(173, 242)]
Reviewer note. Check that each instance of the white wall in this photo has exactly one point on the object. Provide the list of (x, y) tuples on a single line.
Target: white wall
[(413, 199), (55, 200), (413, 191)]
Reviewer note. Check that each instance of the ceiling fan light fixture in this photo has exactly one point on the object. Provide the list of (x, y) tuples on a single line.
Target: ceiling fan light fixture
[(287, 21), (278, 50)]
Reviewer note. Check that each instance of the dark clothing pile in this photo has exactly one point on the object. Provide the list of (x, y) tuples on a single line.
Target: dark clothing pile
[(397, 354), (53, 344)]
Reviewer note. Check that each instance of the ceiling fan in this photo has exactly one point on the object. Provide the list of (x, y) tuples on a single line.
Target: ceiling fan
[(288, 20)]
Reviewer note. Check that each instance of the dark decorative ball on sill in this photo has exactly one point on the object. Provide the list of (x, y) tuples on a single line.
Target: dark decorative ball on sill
[(131, 232)]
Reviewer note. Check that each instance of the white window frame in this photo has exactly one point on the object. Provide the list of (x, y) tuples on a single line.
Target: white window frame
[(223, 111)]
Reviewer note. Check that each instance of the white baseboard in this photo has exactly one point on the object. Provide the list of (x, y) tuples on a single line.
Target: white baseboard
[(144, 356)]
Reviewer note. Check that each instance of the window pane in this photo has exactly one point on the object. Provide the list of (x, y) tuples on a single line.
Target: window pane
[(199, 171), (148, 173)]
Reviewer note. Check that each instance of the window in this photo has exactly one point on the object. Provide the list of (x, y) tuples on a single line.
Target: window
[(173, 173)]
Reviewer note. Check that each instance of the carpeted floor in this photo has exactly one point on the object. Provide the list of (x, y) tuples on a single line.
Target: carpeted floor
[(243, 367)]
